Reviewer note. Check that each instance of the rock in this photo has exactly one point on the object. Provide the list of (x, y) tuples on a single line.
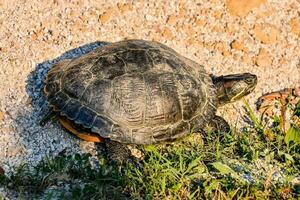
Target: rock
[(295, 26), (200, 22), (226, 53), (182, 10), (106, 16), (149, 17), (218, 14), (263, 58), (190, 41), (172, 20), (241, 8), (231, 28), (14, 150), (190, 30), (266, 13), (238, 45), (34, 37), (2, 116), (221, 47), (282, 61), (267, 33), (136, 152), (87, 146), (218, 29), (247, 59), (167, 33), (123, 8)]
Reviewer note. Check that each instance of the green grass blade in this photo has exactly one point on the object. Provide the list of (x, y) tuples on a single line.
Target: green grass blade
[(254, 119)]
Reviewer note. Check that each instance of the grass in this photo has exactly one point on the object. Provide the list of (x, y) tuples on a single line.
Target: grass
[(260, 162)]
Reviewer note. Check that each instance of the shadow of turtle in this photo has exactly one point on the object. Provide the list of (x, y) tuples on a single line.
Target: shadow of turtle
[(35, 80), (50, 140)]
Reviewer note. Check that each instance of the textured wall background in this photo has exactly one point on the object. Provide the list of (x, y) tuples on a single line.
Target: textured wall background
[(257, 36)]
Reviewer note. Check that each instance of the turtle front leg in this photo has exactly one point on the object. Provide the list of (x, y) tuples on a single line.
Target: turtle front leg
[(217, 124), (118, 152)]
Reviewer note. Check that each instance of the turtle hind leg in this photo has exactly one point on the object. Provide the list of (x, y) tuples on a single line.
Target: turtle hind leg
[(216, 125), (118, 152)]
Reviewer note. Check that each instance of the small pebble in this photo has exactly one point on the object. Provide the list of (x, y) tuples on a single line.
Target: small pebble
[(2, 116), (241, 8)]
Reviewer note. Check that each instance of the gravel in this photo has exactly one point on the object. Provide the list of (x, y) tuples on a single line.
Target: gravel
[(261, 38), (36, 141)]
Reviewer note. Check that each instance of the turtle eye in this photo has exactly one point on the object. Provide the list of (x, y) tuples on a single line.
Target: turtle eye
[(249, 80)]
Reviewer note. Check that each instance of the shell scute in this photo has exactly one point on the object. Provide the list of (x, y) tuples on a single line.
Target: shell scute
[(102, 68), (135, 60), (71, 110), (101, 126), (85, 117), (97, 94), (59, 100)]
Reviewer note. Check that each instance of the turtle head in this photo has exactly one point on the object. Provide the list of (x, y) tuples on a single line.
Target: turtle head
[(233, 87)]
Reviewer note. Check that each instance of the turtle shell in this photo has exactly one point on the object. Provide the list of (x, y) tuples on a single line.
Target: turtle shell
[(133, 91)]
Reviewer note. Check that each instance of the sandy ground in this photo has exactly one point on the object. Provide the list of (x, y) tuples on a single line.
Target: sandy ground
[(257, 36)]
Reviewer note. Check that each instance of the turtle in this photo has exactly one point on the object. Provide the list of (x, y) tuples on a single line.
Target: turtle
[(138, 92)]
